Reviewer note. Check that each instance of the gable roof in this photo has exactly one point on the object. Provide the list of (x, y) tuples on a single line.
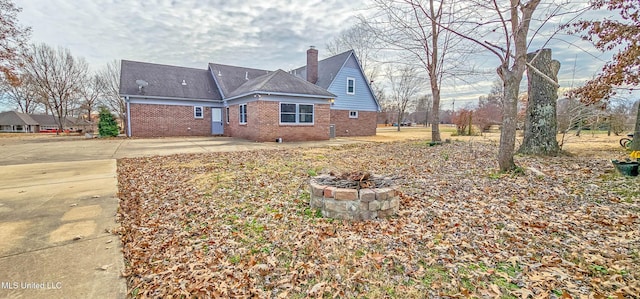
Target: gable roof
[(166, 81), (19, 118), (328, 68), (16, 118), (228, 78), (50, 120), (280, 82)]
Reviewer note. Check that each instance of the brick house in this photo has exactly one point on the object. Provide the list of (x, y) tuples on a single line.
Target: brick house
[(326, 98)]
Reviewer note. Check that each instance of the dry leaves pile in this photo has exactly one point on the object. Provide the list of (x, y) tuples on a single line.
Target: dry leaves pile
[(239, 225)]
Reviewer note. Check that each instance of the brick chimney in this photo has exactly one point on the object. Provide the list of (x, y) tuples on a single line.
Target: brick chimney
[(312, 65)]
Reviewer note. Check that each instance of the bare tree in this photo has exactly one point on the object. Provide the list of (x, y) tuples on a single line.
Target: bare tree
[(619, 114), (502, 28), (487, 114), (91, 91), (415, 27), (110, 77), (463, 119), (423, 109), (362, 41), (572, 115), (404, 86), (13, 40), (515, 21), (22, 96), (58, 76)]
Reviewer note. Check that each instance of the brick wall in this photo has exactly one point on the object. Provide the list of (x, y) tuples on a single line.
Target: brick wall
[(263, 124), (364, 125), (168, 120)]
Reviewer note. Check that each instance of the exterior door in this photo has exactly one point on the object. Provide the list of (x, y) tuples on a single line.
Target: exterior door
[(216, 121)]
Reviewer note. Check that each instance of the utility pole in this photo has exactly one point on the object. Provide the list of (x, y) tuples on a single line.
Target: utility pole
[(453, 106)]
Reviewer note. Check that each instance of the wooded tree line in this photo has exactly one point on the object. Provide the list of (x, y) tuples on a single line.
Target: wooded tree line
[(52, 81), (435, 38), (38, 78)]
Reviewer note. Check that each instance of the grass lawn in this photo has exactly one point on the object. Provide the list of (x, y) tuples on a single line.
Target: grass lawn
[(239, 224)]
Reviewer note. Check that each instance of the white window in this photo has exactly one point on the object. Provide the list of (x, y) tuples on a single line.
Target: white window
[(351, 85), (296, 113), (227, 114), (353, 114), (198, 112), (243, 113)]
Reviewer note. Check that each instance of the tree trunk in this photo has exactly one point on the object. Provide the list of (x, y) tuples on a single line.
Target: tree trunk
[(60, 126), (470, 121), (635, 144), (426, 118), (435, 114), (399, 117), (509, 120), (541, 127)]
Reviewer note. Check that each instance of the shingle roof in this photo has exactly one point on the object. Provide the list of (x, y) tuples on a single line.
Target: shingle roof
[(50, 120), (166, 81), (16, 118), (280, 82), (229, 78), (327, 69)]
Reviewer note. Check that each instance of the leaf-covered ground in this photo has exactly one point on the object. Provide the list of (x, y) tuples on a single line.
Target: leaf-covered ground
[(239, 225)]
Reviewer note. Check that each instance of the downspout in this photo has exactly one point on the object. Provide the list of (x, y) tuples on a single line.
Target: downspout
[(126, 100)]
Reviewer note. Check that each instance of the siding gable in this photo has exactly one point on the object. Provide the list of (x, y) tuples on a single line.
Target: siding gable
[(363, 99)]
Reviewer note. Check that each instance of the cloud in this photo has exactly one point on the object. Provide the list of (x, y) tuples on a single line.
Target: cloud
[(262, 34)]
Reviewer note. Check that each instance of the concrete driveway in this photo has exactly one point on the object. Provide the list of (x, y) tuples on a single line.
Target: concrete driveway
[(55, 220), (58, 201), (42, 149)]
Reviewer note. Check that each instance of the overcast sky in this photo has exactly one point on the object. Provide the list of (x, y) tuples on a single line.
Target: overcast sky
[(263, 34)]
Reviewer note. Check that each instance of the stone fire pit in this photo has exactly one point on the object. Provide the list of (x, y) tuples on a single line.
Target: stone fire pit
[(354, 196)]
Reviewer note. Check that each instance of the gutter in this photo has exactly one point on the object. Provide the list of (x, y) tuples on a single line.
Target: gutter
[(173, 98), (126, 100), (281, 94)]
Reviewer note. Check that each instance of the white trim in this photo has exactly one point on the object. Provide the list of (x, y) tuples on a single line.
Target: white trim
[(240, 114), (195, 112), (297, 114), (353, 113), (259, 92), (169, 102), (213, 74), (278, 99), (170, 98), (351, 109), (354, 85)]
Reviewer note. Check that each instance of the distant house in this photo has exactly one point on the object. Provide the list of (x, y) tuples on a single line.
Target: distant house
[(17, 122), (323, 99)]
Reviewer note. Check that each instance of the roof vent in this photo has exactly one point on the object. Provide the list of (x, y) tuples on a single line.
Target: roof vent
[(141, 84), (184, 83), (246, 75), (219, 73)]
